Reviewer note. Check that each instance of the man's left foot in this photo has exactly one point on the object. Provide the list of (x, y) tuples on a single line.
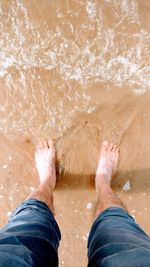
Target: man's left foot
[(107, 165), (45, 158)]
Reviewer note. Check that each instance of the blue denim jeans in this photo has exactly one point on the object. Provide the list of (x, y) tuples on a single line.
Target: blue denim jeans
[(31, 238), (116, 240)]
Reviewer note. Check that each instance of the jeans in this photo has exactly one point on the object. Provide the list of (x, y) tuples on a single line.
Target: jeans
[(116, 240), (31, 238)]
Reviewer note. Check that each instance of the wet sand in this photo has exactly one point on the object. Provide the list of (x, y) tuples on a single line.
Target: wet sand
[(77, 71)]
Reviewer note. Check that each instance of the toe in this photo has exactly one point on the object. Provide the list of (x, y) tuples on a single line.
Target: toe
[(104, 147), (51, 143), (105, 143), (45, 144), (116, 153), (111, 147), (40, 145), (114, 148), (117, 150)]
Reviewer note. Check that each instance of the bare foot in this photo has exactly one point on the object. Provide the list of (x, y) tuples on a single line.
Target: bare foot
[(45, 157), (108, 161)]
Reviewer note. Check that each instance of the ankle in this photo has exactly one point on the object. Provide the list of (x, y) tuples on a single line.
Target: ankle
[(104, 176), (102, 180), (46, 185)]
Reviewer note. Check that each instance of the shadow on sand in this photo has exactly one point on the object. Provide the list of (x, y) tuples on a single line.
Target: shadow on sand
[(139, 180)]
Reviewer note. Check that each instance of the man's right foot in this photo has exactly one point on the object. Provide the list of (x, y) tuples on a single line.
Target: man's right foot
[(45, 157), (107, 165)]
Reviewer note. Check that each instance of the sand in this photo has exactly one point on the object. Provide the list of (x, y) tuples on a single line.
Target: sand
[(76, 71)]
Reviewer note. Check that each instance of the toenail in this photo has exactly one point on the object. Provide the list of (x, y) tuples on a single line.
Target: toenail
[(105, 143)]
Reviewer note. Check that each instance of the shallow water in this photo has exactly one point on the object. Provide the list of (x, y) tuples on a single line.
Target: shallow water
[(77, 71)]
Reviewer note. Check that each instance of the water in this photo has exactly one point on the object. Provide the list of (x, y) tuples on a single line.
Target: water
[(77, 71)]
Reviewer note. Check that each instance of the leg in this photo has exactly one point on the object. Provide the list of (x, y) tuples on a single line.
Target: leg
[(32, 236), (115, 239), (107, 166), (45, 164)]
